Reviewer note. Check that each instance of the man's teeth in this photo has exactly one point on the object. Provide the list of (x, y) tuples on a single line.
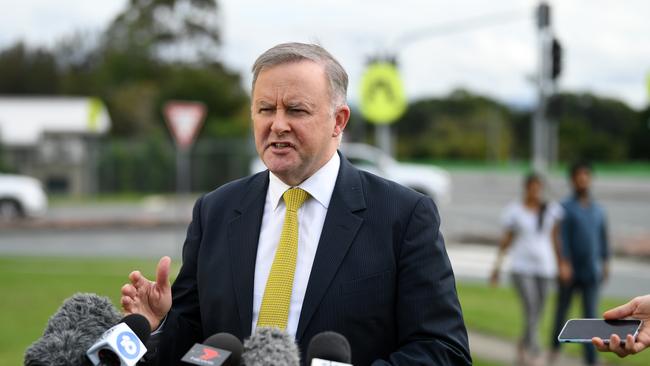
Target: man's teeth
[(281, 145)]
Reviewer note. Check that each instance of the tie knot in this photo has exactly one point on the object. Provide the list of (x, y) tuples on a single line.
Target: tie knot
[(294, 198)]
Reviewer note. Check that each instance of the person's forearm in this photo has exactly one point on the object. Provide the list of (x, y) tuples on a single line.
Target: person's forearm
[(557, 244), (505, 243)]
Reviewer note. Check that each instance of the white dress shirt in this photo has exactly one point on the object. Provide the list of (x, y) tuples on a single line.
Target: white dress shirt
[(311, 217)]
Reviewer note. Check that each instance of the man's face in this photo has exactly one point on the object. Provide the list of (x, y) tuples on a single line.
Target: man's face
[(581, 180), (294, 121)]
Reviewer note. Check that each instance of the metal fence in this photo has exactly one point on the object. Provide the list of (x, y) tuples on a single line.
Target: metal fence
[(149, 166)]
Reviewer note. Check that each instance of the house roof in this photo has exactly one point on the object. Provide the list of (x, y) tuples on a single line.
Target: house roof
[(23, 120)]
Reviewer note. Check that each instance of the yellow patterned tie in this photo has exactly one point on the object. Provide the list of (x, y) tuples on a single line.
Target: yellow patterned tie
[(277, 294)]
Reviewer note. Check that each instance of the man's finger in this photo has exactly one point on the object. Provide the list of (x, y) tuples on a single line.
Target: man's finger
[(162, 272), (600, 345), (138, 280), (615, 346), (638, 347), (630, 345), (129, 290), (620, 311), (126, 302)]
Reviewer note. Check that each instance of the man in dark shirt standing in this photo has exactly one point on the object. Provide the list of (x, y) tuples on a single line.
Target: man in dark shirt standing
[(585, 253)]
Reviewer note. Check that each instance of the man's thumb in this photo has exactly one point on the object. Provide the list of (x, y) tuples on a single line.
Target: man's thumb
[(162, 272), (621, 311)]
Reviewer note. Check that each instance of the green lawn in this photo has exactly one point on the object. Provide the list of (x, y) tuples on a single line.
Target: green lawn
[(34, 288), (480, 362)]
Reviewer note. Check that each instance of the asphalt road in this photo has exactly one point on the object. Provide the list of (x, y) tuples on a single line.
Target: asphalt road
[(479, 198), (155, 226)]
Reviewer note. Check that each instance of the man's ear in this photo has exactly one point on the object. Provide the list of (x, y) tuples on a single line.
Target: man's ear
[(341, 118)]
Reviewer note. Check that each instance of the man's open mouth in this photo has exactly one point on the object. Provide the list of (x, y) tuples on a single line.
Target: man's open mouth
[(280, 145)]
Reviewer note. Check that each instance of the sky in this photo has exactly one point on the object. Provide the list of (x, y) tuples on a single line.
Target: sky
[(440, 45)]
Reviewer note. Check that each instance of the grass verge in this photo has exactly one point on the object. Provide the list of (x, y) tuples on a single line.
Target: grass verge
[(34, 288), (496, 311)]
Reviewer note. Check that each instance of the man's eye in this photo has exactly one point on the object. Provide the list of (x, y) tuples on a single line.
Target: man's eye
[(297, 111), (265, 110)]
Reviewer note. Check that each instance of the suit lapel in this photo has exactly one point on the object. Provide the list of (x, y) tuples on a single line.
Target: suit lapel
[(339, 230), (243, 237)]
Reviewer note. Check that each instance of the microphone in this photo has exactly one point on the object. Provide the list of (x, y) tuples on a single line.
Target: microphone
[(270, 346), (221, 349), (74, 327), (123, 344), (329, 349)]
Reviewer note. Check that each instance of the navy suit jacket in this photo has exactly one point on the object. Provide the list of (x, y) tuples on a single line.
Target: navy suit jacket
[(381, 275)]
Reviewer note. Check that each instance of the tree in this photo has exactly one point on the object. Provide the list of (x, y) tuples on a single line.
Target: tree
[(28, 71), (639, 146), (129, 70), (167, 29), (459, 126), (595, 128)]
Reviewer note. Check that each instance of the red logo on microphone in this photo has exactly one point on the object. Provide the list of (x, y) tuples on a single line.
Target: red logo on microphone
[(209, 354)]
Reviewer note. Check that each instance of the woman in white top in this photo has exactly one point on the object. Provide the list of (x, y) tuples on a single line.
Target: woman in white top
[(532, 235)]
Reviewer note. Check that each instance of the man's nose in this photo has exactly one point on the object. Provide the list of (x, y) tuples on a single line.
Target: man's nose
[(280, 123)]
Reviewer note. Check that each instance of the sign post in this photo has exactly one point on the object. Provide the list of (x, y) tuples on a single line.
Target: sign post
[(184, 120), (383, 100)]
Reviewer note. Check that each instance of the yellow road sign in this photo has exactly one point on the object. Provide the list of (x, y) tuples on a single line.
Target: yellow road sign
[(383, 100), (95, 109), (648, 82)]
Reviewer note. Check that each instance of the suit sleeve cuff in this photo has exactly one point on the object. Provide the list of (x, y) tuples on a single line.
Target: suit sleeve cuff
[(160, 326)]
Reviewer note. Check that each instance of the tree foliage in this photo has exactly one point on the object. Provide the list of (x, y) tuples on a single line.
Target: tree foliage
[(28, 71), (463, 125), (152, 52), (460, 126), (598, 128), (168, 29)]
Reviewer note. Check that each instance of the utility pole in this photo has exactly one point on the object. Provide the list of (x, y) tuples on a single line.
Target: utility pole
[(540, 124), (544, 132)]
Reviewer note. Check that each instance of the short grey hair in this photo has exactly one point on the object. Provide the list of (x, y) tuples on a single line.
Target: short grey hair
[(295, 52)]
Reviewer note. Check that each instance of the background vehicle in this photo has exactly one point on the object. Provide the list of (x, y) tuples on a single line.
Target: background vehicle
[(427, 179), (20, 197)]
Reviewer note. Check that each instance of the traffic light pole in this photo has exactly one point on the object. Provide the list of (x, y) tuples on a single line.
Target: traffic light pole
[(540, 130), (384, 139), (544, 132)]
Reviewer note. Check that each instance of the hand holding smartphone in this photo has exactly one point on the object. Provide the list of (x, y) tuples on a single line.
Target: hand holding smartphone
[(583, 330)]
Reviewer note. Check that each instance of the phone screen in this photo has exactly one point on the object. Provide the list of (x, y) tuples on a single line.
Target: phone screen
[(582, 330)]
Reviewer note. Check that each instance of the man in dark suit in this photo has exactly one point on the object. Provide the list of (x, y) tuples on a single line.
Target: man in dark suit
[(312, 244)]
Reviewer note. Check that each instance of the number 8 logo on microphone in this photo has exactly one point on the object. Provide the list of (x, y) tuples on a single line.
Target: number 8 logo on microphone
[(128, 345)]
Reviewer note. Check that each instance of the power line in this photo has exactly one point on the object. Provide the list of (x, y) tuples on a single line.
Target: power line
[(458, 26)]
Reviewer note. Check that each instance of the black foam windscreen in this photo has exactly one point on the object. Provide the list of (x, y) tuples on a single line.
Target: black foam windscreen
[(228, 342), (139, 325), (329, 346)]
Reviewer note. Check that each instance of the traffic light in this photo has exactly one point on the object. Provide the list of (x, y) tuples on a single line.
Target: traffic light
[(543, 15), (556, 59)]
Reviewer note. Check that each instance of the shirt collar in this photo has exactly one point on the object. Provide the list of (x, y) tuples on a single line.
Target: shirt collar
[(319, 186), (576, 200)]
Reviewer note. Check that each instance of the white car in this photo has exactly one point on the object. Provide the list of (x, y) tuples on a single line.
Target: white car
[(21, 196), (430, 180)]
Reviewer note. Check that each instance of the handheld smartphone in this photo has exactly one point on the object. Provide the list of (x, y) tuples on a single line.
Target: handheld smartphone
[(582, 330)]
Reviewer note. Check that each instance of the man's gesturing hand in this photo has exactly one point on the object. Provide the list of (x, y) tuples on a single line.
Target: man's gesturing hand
[(638, 308), (147, 298)]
